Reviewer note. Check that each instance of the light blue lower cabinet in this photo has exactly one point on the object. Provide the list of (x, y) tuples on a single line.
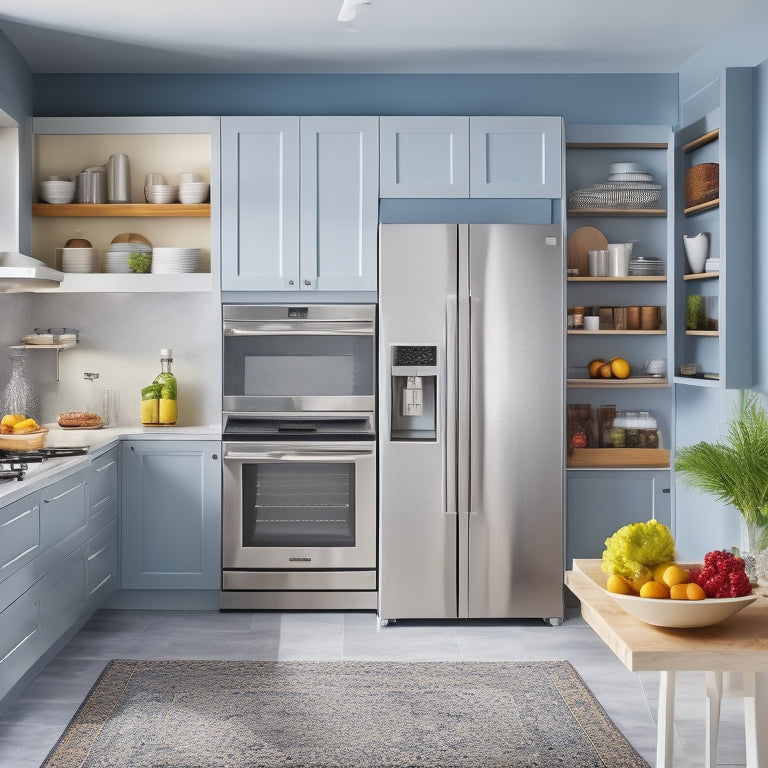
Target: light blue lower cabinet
[(171, 514), (598, 503)]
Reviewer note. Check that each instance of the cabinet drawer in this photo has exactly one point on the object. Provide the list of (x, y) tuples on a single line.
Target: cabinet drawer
[(19, 534), (62, 596), (19, 639), (102, 480), (101, 563), (62, 509)]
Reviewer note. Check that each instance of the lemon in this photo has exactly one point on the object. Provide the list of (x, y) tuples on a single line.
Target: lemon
[(658, 571), (679, 592), (654, 589), (618, 585), (620, 368), (695, 592)]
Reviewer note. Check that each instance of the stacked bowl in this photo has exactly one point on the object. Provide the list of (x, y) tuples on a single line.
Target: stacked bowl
[(193, 192), (161, 193), (78, 259), (57, 190), (171, 260), (116, 260)]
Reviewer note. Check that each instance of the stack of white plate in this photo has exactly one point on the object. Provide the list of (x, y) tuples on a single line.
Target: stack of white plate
[(646, 265), (161, 193), (192, 192), (116, 260), (57, 191), (172, 260), (78, 259)]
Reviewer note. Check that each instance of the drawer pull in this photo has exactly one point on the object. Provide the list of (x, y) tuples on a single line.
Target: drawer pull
[(62, 495), (18, 517)]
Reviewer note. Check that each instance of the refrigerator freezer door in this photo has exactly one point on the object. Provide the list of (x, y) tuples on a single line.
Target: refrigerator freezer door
[(417, 504), (516, 422)]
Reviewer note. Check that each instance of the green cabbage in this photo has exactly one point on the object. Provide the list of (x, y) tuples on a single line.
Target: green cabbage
[(637, 548)]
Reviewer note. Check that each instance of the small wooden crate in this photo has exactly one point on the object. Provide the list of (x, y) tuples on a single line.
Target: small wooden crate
[(702, 184)]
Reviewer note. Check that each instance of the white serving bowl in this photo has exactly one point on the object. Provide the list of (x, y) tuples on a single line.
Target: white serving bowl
[(57, 192), (191, 193), (682, 614), (161, 193)]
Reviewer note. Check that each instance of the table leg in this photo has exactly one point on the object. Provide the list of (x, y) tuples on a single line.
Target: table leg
[(755, 714), (666, 718), (714, 695)]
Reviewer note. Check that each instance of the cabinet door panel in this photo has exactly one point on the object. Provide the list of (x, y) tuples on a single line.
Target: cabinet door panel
[(260, 203), (339, 203), (171, 515), (424, 157), (19, 638), (599, 504), (62, 596), (101, 563), (515, 156)]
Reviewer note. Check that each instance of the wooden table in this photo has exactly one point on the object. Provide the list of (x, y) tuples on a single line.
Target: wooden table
[(738, 645)]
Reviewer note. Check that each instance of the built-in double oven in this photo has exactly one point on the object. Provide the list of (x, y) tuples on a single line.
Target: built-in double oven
[(299, 457)]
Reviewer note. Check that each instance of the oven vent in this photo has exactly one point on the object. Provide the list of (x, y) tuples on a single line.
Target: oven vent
[(410, 356)]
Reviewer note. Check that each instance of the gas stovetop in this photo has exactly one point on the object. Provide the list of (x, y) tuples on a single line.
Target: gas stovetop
[(13, 464)]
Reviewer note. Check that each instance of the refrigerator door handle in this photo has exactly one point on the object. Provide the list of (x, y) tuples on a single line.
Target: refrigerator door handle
[(450, 406)]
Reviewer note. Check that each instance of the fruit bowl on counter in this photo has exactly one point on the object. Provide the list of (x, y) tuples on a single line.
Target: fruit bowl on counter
[(682, 614), (29, 441)]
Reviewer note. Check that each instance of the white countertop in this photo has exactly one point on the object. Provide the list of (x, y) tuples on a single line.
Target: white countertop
[(98, 441)]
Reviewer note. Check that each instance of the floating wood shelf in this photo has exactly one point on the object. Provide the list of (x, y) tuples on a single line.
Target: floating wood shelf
[(617, 145), (702, 333), (633, 212), (703, 206), (702, 276), (632, 381), (625, 279), (141, 210), (702, 140), (577, 332)]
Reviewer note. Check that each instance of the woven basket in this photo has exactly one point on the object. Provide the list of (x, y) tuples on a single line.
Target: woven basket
[(702, 184)]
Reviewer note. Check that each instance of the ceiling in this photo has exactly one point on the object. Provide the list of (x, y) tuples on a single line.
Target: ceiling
[(389, 36)]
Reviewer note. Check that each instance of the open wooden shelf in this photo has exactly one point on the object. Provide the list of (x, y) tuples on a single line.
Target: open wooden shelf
[(617, 145), (703, 206), (141, 210), (605, 332), (702, 140), (702, 276), (606, 458), (702, 333), (625, 279), (632, 381)]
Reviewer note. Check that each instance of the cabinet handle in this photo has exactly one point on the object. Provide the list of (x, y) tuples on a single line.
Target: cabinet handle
[(307, 282), (106, 466), (61, 495), (290, 282)]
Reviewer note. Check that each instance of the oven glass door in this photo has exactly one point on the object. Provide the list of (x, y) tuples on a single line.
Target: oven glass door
[(308, 505)]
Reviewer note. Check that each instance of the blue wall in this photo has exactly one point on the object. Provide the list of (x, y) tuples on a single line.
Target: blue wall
[(618, 99)]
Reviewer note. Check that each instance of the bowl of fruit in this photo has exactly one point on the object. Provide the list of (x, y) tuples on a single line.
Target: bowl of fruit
[(19, 433), (645, 580)]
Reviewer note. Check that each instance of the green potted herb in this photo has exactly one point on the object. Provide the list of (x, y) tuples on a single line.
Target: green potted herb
[(735, 469)]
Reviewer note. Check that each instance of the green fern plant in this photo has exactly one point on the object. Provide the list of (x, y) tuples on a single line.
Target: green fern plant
[(735, 469)]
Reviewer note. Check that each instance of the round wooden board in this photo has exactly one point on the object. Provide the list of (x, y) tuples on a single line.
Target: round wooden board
[(581, 241), (131, 237)]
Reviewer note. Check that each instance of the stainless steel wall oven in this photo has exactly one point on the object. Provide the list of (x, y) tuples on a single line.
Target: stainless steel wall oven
[(299, 469)]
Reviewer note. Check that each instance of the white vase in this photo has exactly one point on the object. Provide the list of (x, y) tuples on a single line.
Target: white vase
[(696, 251)]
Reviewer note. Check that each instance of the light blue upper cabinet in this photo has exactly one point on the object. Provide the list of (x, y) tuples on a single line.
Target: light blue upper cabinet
[(339, 203), (424, 157), (515, 157), (299, 203), (260, 203)]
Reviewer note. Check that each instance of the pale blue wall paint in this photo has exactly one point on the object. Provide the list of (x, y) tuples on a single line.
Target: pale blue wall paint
[(616, 99), (761, 227), (745, 44)]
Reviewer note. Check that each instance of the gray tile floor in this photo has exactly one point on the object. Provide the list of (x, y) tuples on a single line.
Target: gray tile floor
[(35, 721)]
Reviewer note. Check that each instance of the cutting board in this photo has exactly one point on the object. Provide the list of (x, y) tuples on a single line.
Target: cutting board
[(581, 241)]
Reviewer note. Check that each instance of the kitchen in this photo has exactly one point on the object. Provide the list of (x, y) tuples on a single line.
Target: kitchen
[(125, 352)]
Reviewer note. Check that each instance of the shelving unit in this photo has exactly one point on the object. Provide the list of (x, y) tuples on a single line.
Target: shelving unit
[(725, 136), (168, 145)]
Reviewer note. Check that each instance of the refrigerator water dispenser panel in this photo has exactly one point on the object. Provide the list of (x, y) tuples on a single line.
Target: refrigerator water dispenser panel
[(414, 387)]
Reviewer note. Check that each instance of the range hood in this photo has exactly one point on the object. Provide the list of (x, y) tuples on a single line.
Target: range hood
[(22, 273)]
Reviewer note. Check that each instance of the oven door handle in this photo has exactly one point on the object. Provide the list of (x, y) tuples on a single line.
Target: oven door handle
[(288, 455), (327, 328)]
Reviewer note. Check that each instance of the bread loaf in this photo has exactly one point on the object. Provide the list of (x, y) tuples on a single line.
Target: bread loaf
[(80, 419)]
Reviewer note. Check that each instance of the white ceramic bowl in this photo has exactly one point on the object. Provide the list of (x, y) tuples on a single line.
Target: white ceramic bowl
[(161, 193), (682, 614), (190, 177), (55, 191), (78, 259), (191, 193)]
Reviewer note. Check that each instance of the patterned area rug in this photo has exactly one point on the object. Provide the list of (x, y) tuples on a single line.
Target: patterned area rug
[(230, 714)]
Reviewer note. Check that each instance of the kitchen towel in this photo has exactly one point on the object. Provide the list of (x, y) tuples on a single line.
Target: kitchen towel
[(239, 714)]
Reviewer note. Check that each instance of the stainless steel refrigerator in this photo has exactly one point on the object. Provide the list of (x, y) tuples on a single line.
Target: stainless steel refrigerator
[(471, 421)]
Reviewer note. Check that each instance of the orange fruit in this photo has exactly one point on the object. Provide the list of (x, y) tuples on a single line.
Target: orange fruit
[(620, 368), (618, 585), (695, 592), (679, 591), (675, 575), (654, 589), (605, 371), (595, 366), (658, 570)]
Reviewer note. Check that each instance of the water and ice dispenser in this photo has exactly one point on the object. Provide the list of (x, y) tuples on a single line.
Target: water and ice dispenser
[(413, 410)]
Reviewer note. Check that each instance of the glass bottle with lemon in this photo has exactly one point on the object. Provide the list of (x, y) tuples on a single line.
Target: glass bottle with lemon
[(158, 400)]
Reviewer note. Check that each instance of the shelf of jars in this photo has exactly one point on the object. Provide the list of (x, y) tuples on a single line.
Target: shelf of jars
[(619, 279)]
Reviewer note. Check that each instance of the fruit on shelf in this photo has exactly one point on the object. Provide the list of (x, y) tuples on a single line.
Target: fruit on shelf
[(620, 368), (617, 368), (595, 366)]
